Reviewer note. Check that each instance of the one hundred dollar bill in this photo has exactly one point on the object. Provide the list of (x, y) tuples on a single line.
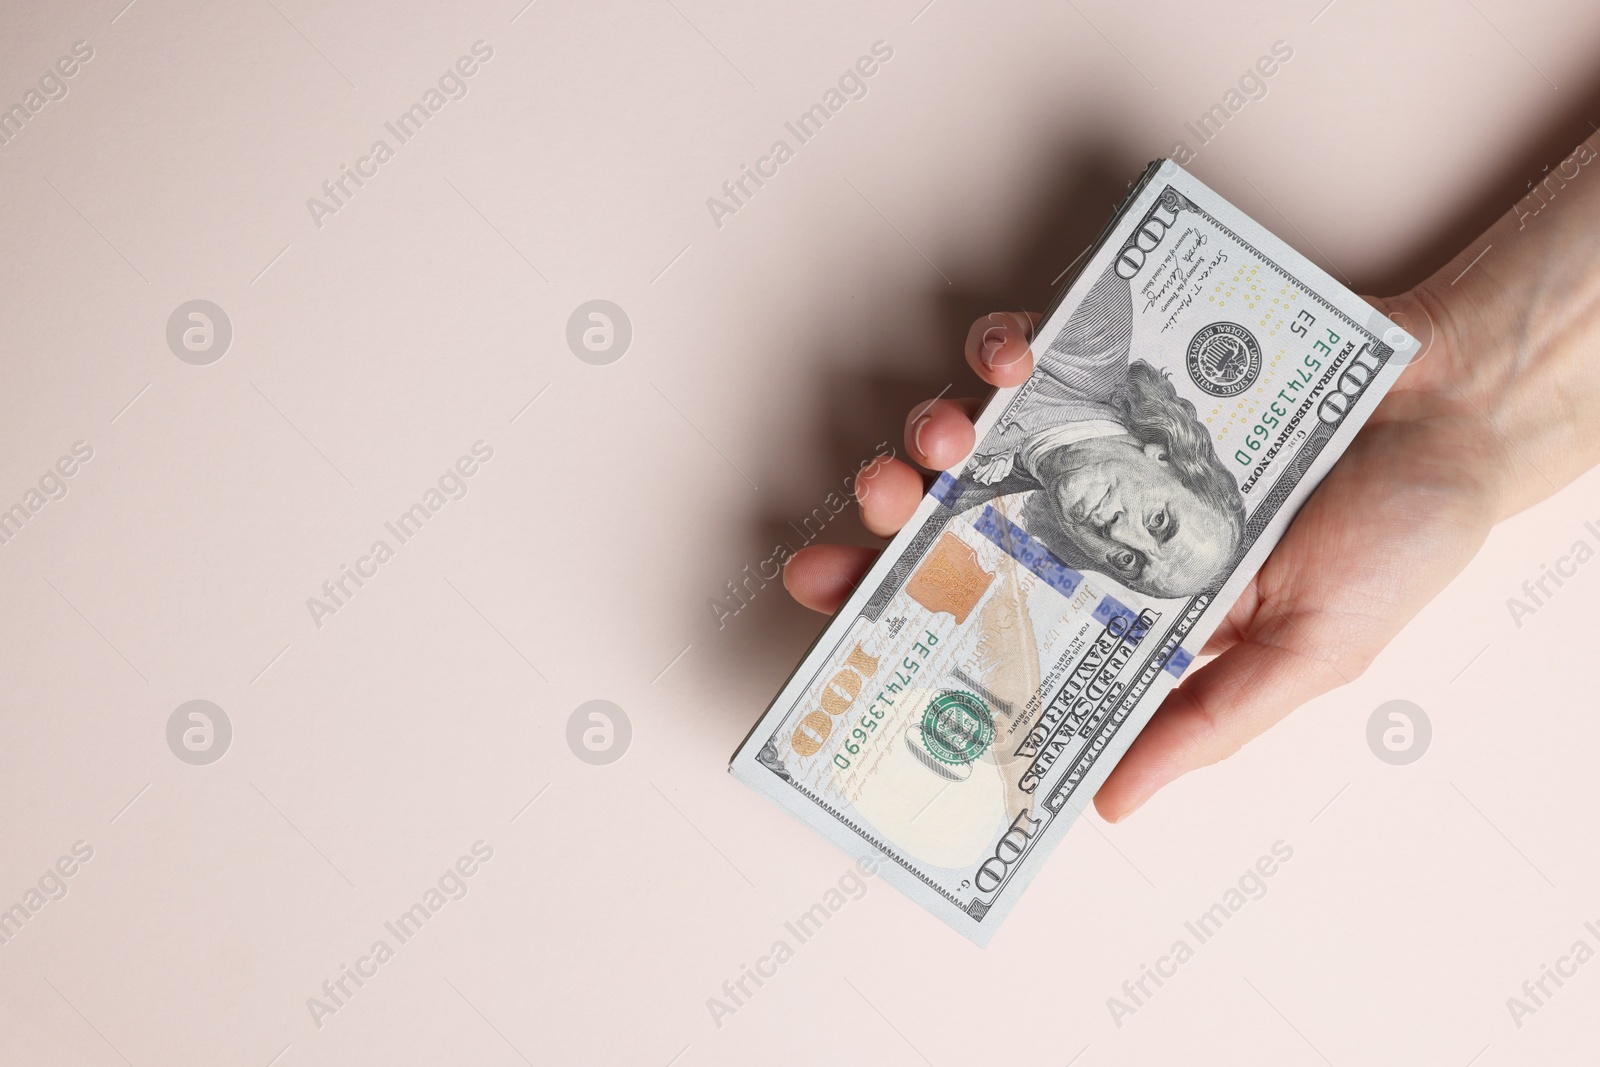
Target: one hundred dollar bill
[(1192, 386)]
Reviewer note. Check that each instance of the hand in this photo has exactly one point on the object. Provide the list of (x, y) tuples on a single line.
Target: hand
[(1462, 440), (1397, 518)]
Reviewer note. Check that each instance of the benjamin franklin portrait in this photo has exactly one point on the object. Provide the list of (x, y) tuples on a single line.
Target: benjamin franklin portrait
[(1127, 481)]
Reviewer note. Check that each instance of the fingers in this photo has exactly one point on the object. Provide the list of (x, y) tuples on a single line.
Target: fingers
[(1211, 715), (997, 347), (822, 576), (939, 433), (888, 492)]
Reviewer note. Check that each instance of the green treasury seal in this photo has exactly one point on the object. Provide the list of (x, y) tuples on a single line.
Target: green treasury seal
[(957, 727)]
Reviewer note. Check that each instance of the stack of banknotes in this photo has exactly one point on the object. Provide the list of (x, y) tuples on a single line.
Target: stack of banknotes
[(1191, 387)]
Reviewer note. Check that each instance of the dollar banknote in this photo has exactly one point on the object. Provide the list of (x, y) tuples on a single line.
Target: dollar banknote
[(1192, 385)]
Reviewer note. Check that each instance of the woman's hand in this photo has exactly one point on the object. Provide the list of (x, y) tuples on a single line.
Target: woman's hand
[(1462, 440)]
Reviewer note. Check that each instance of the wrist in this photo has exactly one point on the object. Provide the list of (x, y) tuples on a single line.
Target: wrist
[(1510, 331)]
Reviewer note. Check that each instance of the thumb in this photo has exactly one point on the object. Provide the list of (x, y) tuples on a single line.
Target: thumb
[(1229, 701)]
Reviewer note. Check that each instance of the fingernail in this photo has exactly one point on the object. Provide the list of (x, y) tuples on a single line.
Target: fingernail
[(916, 433), (994, 353)]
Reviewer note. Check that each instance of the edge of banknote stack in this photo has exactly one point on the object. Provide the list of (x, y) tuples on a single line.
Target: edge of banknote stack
[(1354, 382)]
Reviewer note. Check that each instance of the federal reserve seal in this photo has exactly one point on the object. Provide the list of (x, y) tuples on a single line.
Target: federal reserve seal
[(1224, 359), (956, 727)]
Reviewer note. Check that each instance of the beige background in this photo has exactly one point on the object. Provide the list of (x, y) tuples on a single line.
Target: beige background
[(769, 356)]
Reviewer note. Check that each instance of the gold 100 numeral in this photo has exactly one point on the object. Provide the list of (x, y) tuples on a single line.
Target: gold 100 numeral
[(837, 696)]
